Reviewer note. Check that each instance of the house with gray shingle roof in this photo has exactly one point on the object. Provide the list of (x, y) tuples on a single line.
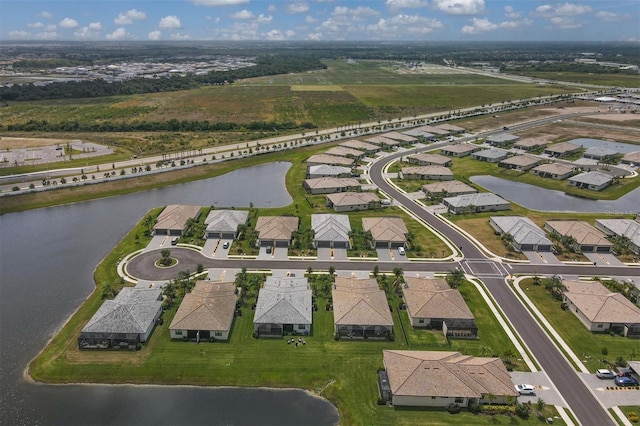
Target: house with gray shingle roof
[(451, 128), (361, 146), (594, 181), (173, 219), (388, 231), (491, 155), (600, 153), (331, 230), (421, 134), (276, 230), (502, 139), (404, 139), (443, 378), (330, 185), (481, 202), (601, 310), (334, 160), (562, 149), (526, 235), (429, 159), (123, 322), (225, 223), (623, 228), (445, 189), (558, 171), (327, 170), (206, 313), (431, 303), (520, 162), (360, 309), (458, 150), (385, 143), (284, 305)]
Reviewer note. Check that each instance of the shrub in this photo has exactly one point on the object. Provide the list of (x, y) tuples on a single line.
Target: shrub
[(454, 409), (336, 336), (380, 401), (255, 334), (138, 346), (633, 417), (523, 410), (474, 408)]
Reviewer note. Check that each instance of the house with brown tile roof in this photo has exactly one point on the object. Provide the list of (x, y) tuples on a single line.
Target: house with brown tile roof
[(205, 314), (352, 201), (426, 173), (361, 146), (400, 137), (459, 150), (586, 238), (562, 149), (431, 303), (343, 151), (330, 185), (529, 144), (333, 160), (558, 171), (451, 128), (384, 143), (276, 230), (601, 310), (360, 309), (449, 188), (436, 130), (520, 162), (442, 378), (388, 231), (632, 158), (429, 159), (173, 219)]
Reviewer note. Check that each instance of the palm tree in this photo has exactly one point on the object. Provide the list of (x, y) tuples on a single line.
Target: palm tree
[(455, 277), (332, 271), (540, 406), (398, 281), (376, 271)]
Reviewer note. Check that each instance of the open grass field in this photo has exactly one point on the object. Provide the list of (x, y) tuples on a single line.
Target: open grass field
[(585, 344), (624, 80)]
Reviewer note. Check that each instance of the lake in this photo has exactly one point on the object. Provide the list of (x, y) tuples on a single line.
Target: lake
[(47, 259)]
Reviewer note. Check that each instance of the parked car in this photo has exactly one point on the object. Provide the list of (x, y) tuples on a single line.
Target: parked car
[(524, 389), (175, 241), (401, 251), (269, 249), (225, 245), (626, 381), (604, 373)]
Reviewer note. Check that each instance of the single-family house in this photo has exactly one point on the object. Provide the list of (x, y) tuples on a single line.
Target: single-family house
[(426, 173), (123, 322), (530, 144), (331, 230), (330, 185), (368, 148), (432, 304), (480, 202), (520, 163), (206, 313), (601, 310), (600, 153), (525, 235), (284, 306), (595, 181), (584, 237), (352, 201), (443, 378), (404, 139), (458, 150), (276, 230), (333, 160), (384, 143), (360, 309), (173, 219), (631, 158), (421, 134), (558, 171), (445, 189), (502, 139), (388, 231), (491, 155), (562, 149), (451, 128), (343, 151), (429, 160), (622, 228), (327, 170), (436, 130), (225, 223)]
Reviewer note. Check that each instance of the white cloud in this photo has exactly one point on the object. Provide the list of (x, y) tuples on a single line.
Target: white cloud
[(565, 23), (262, 19), (213, 3), (612, 17), (356, 13), (19, 35), (399, 25), (46, 15), (170, 22), (564, 9), (298, 7), (154, 35), (310, 19), (180, 36), (51, 27), (406, 4), (90, 31), (272, 8), (274, 35), (117, 34), (314, 36), (129, 16), (243, 14), (95, 26), (459, 7), (510, 12), (36, 25), (46, 35), (69, 23), (479, 25)]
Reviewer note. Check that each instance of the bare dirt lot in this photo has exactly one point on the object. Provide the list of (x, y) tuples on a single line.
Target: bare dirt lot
[(10, 142)]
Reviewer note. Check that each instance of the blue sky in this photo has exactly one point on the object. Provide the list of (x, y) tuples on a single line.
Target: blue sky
[(325, 20)]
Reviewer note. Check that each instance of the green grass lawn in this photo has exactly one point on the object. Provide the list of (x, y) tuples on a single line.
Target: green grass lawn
[(586, 345)]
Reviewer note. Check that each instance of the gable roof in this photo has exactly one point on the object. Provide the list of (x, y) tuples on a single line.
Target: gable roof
[(450, 127), (388, 228), (433, 298), (331, 182), (521, 160), (592, 178), (276, 227), (430, 158), (600, 151), (530, 143), (582, 232), (381, 140), (356, 144), (360, 302), (284, 300), (343, 151), (210, 306), (478, 200), (434, 129), (132, 311), (399, 137), (352, 198), (330, 159), (554, 168), (599, 305), (623, 228), (330, 227), (328, 169), (502, 137), (450, 186), (562, 147), (491, 153), (225, 220), (427, 171), (446, 374), (459, 148), (522, 229), (175, 216)]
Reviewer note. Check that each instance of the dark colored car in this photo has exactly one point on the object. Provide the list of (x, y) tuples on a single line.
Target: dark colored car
[(626, 381)]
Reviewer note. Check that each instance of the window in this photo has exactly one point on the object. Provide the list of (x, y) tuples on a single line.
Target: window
[(421, 321), (178, 332), (218, 333), (599, 325), (301, 327), (459, 400)]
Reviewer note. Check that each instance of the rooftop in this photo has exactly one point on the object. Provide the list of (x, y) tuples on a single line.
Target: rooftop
[(175, 216), (328, 169), (330, 227), (562, 148), (460, 148), (592, 178), (388, 228), (344, 151), (427, 170), (356, 144), (225, 220), (598, 304), (352, 198), (331, 182), (521, 160), (360, 302), (284, 301), (600, 151), (430, 158), (554, 168), (491, 153), (582, 232), (433, 298), (330, 159), (480, 199), (210, 306), (450, 186), (502, 137), (276, 227), (522, 229)]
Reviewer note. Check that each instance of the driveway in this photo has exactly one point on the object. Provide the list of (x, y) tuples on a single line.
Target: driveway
[(610, 398), (214, 248), (159, 241), (277, 253), (326, 253), (542, 258), (603, 259), (384, 255), (542, 384)]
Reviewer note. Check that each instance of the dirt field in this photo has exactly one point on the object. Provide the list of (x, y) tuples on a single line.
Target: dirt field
[(10, 142), (566, 130)]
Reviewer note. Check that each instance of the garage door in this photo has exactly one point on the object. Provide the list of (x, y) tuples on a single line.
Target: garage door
[(604, 249), (324, 244), (282, 244)]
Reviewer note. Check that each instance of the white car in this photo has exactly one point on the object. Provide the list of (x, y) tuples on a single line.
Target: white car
[(604, 373), (401, 251), (526, 389)]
